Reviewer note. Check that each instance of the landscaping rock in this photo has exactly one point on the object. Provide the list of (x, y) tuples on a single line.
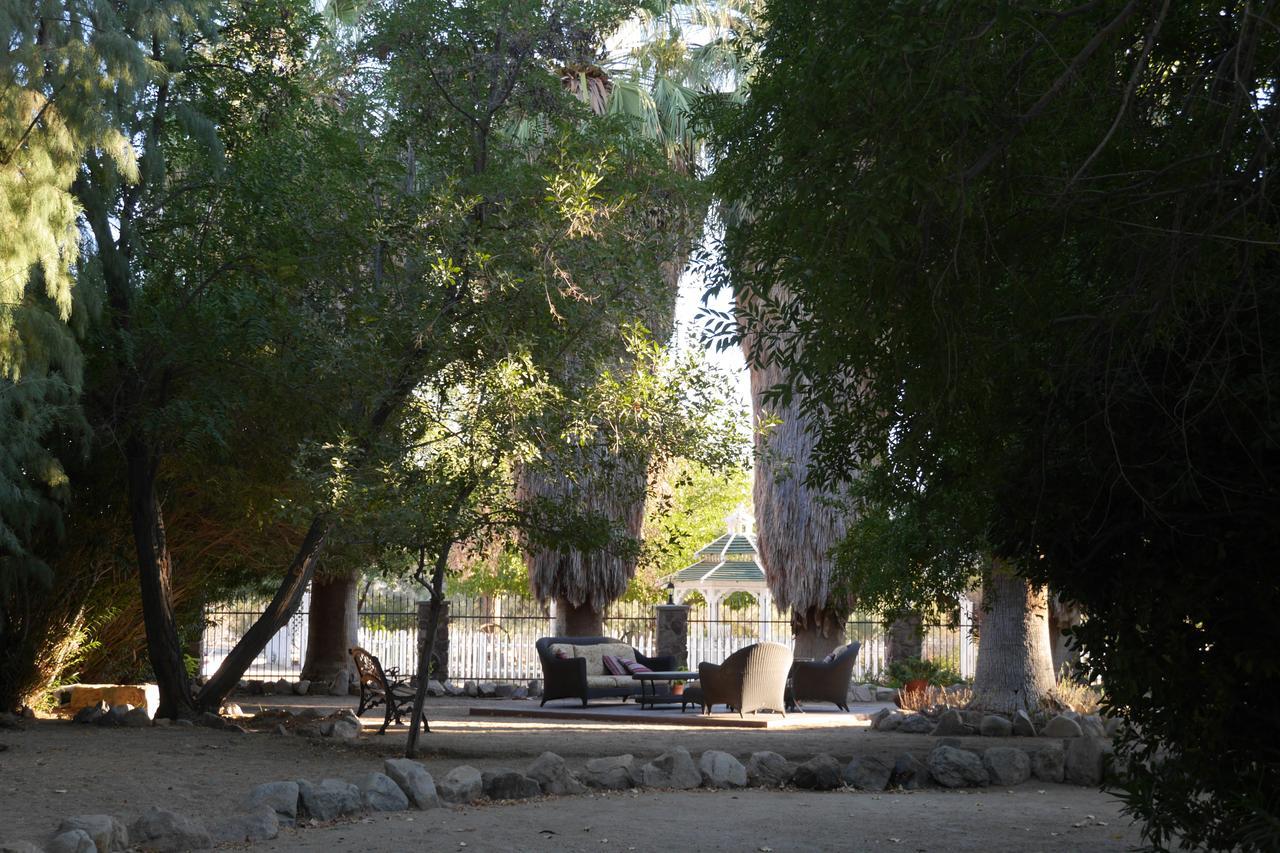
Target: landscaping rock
[(673, 769), (1111, 726), (951, 723), (769, 770), (535, 688), (721, 770), (231, 709), (329, 800), (972, 719), (259, 824), (862, 693), (957, 768), (878, 716), (994, 725), (471, 689), (453, 689), (1048, 763), (612, 774), (210, 720), (91, 713), (341, 730), (114, 716), (107, 833), (504, 691), (185, 724), (300, 688), (166, 832), (340, 684), (891, 721), (1092, 726), (886, 694), (487, 689), (281, 797), (909, 772), (520, 693), (414, 780), (1062, 726), (867, 774), (379, 793), (504, 784), (550, 771), (138, 718), (435, 688), (462, 784), (820, 773), (1007, 765), (1022, 724), (72, 841), (916, 724), (1084, 762)]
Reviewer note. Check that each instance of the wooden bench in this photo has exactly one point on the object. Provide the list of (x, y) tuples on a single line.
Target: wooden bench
[(385, 687)]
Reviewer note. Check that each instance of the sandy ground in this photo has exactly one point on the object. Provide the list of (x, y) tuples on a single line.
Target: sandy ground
[(52, 769)]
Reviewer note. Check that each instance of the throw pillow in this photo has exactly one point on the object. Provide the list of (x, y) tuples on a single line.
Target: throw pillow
[(562, 654), (614, 665), (633, 667)]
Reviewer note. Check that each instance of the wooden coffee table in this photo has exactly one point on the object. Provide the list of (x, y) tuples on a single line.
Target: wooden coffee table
[(649, 697)]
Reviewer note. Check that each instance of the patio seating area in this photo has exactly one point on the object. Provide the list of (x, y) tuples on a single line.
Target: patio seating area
[(859, 716)]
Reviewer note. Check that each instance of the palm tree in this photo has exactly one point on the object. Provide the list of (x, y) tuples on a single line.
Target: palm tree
[(654, 85)]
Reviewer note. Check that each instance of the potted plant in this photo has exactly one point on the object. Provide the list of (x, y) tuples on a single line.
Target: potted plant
[(912, 677), (677, 688)]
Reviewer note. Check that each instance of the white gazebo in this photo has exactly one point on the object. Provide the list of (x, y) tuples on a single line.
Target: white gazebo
[(725, 566)]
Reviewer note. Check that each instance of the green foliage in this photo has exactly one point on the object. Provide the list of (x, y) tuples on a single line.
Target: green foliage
[(900, 672), (1021, 262)]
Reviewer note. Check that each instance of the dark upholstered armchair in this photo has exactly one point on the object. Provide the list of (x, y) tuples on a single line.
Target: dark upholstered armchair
[(819, 681), (581, 675), (751, 679)]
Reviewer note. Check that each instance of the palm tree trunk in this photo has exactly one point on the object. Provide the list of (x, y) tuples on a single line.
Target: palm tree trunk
[(333, 627), (1015, 668), (580, 620), (817, 632)]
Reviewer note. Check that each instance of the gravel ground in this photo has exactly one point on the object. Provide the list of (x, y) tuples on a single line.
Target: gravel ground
[(52, 769)]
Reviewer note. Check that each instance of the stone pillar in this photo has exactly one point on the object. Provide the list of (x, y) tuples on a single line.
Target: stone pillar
[(439, 667), (672, 621)]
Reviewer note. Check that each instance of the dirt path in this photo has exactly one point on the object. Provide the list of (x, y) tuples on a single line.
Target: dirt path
[(52, 769)]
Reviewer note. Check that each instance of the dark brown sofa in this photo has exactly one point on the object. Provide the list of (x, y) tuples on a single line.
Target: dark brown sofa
[(582, 675)]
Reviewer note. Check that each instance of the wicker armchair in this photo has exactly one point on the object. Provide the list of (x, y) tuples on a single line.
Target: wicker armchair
[(751, 679), (816, 681)]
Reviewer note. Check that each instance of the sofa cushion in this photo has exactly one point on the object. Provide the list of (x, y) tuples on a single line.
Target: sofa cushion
[(594, 655), (614, 665), (563, 651), (610, 681)]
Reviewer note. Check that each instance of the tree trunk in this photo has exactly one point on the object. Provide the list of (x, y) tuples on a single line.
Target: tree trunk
[(1015, 669), (578, 621), (333, 627), (816, 632), (905, 639), (155, 569), (276, 615)]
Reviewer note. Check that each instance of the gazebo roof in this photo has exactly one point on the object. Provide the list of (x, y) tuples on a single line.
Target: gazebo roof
[(729, 561)]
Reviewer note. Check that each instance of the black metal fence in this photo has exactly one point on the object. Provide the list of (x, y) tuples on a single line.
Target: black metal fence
[(492, 637)]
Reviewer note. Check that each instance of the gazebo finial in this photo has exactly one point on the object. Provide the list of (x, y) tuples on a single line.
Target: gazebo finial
[(739, 521)]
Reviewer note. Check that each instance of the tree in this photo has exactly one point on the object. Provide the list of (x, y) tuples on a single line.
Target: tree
[(1042, 240), (61, 57)]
